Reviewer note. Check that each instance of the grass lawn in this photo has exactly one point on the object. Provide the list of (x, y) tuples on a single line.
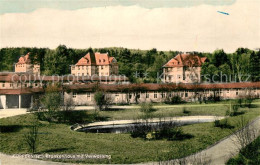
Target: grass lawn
[(126, 114), (58, 138)]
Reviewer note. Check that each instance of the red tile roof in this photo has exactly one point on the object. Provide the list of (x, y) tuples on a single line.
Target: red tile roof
[(18, 77), (24, 59), (100, 59), (185, 60), (137, 87), (21, 91), (161, 87)]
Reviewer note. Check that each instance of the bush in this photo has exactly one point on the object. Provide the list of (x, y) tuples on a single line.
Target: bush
[(222, 124), (176, 100), (147, 109), (162, 130), (185, 111), (102, 102), (31, 138)]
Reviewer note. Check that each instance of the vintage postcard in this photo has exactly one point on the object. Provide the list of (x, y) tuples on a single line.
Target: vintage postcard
[(129, 82)]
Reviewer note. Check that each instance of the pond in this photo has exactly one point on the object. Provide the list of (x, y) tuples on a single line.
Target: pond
[(128, 127)]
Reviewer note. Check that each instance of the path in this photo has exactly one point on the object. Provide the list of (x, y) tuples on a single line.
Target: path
[(11, 112)]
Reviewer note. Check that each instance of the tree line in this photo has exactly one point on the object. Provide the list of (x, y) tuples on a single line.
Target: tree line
[(140, 65)]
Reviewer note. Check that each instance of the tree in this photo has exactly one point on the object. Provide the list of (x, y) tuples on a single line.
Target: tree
[(56, 61), (219, 57), (52, 102), (210, 73), (240, 62), (102, 102), (224, 72), (31, 138), (255, 66)]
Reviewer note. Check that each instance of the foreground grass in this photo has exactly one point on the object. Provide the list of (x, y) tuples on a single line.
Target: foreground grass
[(58, 138)]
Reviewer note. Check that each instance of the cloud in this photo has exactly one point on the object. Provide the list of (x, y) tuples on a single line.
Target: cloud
[(198, 28)]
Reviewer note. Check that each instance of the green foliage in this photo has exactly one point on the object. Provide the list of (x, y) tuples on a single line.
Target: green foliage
[(102, 102), (223, 124), (176, 100), (185, 111), (237, 66), (147, 109), (255, 66), (162, 130), (135, 63), (52, 102)]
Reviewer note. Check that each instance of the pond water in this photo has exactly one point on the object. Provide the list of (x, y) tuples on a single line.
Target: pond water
[(124, 128)]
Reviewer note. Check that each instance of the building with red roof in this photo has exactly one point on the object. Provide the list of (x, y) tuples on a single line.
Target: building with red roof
[(24, 65), (100, 64), (183, 68)]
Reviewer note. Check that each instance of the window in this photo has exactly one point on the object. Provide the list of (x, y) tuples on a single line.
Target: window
[(147, 95), (88, 94), (102, 67), (155, 95), (237, 92), (186, 94), (3, 85), (228, 91), (74, 95), (11, 85), (25, 85), (130, 96), (104, 60), (78, 67), (36, 84), (163, 95), (82, 74)]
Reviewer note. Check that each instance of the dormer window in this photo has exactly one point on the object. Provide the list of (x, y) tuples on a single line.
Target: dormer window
[(104, 60), (99, 60)]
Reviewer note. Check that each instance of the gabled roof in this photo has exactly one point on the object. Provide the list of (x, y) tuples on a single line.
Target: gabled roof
[(185, 60), (24, 59), (100, 59)]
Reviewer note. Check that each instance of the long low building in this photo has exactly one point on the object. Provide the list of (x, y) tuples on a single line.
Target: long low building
[(20, 96), (17, 89)]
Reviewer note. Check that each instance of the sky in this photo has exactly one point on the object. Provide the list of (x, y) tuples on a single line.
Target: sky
[(183, 25)]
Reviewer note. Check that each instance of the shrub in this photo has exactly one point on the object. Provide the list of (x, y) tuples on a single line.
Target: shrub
[(222, 124), (176, 100), (31, 138), (147, 109), (185, 111), (162, 130), (102, 102)]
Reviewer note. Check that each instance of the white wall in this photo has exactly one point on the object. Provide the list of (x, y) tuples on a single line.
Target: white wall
[(2, 101)]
